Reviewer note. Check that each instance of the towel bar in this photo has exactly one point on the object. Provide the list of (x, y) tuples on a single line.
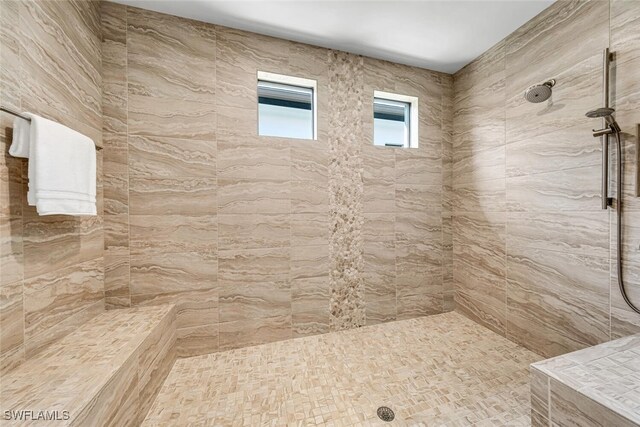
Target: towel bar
[(15, 113)]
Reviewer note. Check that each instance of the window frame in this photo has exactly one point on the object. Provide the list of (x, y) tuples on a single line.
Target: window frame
[(413, 116), (291, 81)]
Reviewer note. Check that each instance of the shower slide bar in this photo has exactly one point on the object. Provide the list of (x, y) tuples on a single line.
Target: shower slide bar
[(15, 113), (606, 200), (638, 160)]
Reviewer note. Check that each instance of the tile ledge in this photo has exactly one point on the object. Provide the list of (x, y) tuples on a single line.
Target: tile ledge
[(583, 370), (73, 372)]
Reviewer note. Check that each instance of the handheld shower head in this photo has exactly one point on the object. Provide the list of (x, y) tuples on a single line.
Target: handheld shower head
[(600, 113), (540, 92), (606, 114)]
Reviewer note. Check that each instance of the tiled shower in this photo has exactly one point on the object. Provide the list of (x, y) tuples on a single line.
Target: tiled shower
[(533, 248), (489, 233), (251, 233)]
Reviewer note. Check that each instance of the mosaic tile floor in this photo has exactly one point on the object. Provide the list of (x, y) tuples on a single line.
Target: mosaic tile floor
[(442, 370)]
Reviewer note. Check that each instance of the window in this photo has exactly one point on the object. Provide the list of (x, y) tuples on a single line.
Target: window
[(286, 106), (395, 120)]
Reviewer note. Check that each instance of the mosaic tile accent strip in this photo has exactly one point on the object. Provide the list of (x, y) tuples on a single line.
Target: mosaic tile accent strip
[(438, 370), (599, 385), (346, 191)]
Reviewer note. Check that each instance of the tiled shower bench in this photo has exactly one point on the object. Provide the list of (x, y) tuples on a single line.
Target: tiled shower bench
[(107, 372), (596, 386)]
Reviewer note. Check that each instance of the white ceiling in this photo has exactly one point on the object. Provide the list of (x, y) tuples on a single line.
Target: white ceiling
[(442, 35)]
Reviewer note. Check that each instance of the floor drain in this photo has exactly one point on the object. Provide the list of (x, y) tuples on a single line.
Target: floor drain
[(385, 414)]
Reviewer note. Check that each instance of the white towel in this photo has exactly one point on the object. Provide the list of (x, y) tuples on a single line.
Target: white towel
[(21, 131), (62, 170)]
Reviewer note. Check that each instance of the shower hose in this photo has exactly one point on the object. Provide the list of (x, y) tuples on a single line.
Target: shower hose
[(619, 225)]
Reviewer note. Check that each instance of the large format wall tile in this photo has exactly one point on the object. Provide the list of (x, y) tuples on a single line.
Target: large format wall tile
[(172, 196), (571, 298), (571, 231), (479, 267), (197, 340), (11, 250), (481, 196), (541, 171), (254, 283), (625, 42), (309, 306), (251, 158), (254, 231), (155, 270), (554, 41), (52, 300), (573, 147), (413, 169), (475, 162), (170, 57), (12, 322), (11, 175), (380, 280), (254, 196), (116, 152), (249, 332), (623, 320), (257, 238), (309, 162), (297, 237), (566, 108), (50, 64), (171, 118), (309, 197), (309, 229), (116, 277), (174, 233), (9, 56), (379, 196), (565, 190), (55, 242), (60, 60), (159, 157), (309, 275)]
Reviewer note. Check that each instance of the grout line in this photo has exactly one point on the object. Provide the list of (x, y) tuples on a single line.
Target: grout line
[(506, 203), (548, 399), (126, 73)]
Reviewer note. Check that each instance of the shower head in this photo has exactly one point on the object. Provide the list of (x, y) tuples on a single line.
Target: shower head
[(605, 113), (540, 92), (600, 113)]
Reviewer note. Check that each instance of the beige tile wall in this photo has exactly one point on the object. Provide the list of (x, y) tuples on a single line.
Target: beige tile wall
[(532, 251), (246, 234), (259, 238), (51, 268)]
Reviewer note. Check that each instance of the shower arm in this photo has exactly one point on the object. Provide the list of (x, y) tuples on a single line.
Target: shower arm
[(612, 127)]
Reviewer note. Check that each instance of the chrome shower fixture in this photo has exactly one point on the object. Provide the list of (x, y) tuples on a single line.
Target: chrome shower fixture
[(606, 114), (540, 92), (612, 128)]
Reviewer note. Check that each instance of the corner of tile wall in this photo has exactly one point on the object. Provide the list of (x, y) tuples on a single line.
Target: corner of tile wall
[(533, 252), (51, 268)]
